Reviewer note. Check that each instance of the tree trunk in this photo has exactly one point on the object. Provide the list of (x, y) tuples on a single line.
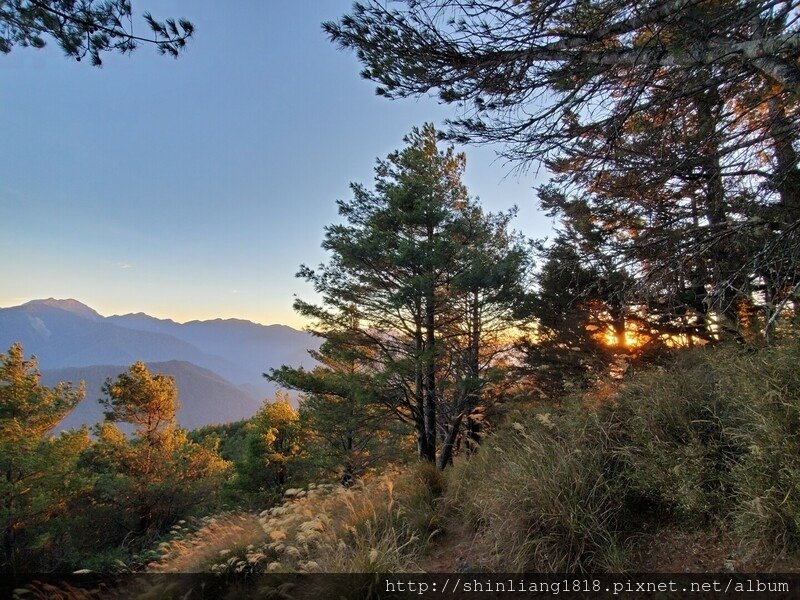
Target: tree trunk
[(419, 390), (430, 379), (348, 476), (473, 399), (446, 455), (786, 181), (716, 209), (618, 323), (430, 357), (473, 434)]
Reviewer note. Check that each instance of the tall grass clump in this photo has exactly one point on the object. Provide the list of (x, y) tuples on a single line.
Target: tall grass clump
[(711, 442), (381, 524), (766, 479), (716, 438), (540, 496), (196, 551), (676, 438)]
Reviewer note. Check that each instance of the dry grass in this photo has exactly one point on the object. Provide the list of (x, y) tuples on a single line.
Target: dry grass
[(219, 535), (379, 525), (710, 444), (538, 498)]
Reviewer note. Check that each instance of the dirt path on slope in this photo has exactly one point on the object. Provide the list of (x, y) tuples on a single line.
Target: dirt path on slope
[(452, 551)]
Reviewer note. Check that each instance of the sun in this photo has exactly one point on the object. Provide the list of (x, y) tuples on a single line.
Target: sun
[(632, 339)]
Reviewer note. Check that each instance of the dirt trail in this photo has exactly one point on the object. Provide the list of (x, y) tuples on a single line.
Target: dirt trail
[(452, 551)]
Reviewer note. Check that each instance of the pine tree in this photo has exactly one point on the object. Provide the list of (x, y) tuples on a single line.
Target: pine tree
[(157, 475), (87, 28), (684, 153), (522, 71), (38, 469), (415, 272), (347, 429), (489, 300), (382, 289)]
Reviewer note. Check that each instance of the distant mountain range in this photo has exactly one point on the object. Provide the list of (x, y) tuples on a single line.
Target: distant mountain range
[(205, 397), (218, 364)]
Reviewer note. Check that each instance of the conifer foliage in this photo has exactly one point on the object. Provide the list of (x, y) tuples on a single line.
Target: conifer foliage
[(421, 282), (38, 470), (672, 128), (86, 28), (151, 479)]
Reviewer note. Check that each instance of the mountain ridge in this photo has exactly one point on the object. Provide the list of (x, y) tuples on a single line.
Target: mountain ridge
[(67, 334), (205, 397), (66, 304), (77, 307)]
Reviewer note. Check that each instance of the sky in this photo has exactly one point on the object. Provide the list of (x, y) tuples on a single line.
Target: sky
[(195, 188)]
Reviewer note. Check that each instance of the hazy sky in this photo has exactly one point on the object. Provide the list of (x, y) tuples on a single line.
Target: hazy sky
[(194, 188)]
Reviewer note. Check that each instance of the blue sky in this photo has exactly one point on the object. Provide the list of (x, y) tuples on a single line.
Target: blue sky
[(194, 188)]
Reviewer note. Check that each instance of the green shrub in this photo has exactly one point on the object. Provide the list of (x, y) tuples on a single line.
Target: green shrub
[(676, 439), (766, 479), (540, 497), (711, 441), (717, 438)]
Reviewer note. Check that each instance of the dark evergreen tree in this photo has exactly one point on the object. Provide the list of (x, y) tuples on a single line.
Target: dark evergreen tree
[(489, 301), (86, 28), (382, 290), (687, 155), (415, 272), (348, 430), (523, 71)]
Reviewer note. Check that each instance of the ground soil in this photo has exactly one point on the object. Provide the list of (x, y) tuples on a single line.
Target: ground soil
[(452, 550), (666, 551), (672, 551)]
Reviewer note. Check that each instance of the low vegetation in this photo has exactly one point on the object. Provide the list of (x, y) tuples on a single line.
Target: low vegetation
[(710, 443), (706, 447), (380, 524), (701, 450)]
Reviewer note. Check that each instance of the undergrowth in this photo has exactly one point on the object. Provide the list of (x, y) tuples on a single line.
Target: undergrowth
[(713, 441), (710, 443), (381, 524)]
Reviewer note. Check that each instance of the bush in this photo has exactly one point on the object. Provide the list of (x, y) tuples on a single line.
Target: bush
[(541, 498), (713, 440), (676, 439), (717, 437), (766, 479)]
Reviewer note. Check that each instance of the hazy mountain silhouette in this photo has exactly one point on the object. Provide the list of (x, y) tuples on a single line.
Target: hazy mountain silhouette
[(205, 397), (253, 347), (68, 334), (69, 305)]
